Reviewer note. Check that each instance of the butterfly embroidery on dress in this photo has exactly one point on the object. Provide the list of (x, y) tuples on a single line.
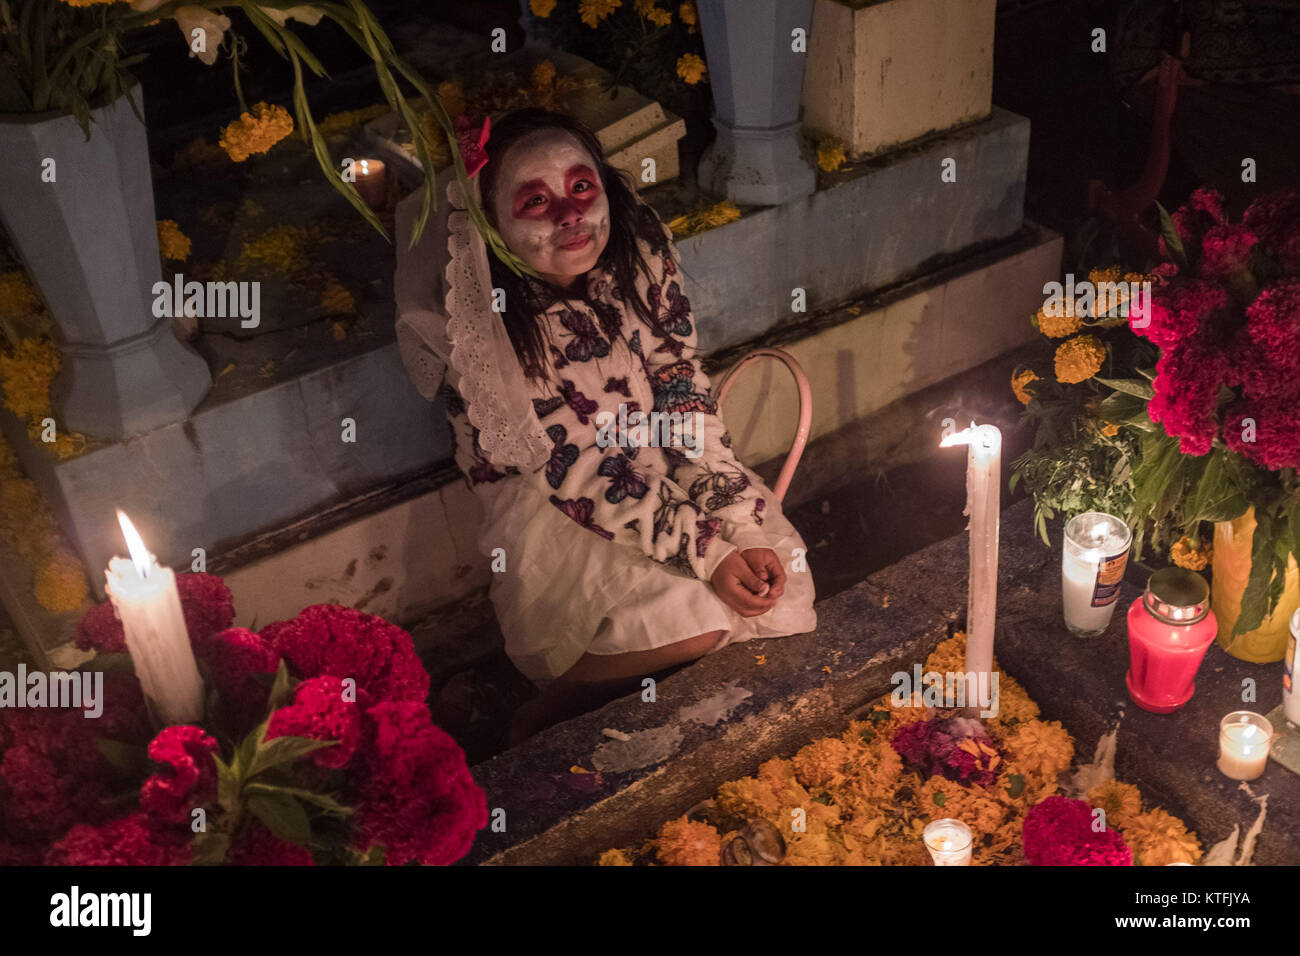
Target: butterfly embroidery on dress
[(625, 480), (676, 318), (562, 456), (618, 385), (582, 406), (706, 529), (581, 510), (722, 489), (586, 342), (634, 343), (610, 318), (483, 471), (674, 390), (544, 406), (557, 358)]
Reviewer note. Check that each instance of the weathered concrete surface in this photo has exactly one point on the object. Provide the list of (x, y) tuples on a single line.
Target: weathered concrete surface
[(724, 715)]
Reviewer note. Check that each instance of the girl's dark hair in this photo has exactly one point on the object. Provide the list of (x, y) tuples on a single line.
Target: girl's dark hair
[(525, 297)]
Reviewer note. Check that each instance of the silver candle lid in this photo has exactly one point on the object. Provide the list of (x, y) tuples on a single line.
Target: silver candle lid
[(1177, 596)]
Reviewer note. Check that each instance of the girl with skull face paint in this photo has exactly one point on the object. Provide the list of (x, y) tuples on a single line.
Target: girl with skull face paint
[(620, 560)]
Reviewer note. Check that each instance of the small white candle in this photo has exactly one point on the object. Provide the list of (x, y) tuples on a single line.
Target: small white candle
[(983, 495), (144, 595), (949, 842), (1244, 740)]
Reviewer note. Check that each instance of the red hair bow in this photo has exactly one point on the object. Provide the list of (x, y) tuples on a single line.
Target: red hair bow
[(471, 142)]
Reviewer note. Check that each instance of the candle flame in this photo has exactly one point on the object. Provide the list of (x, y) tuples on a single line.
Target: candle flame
[(985, 436), (365, 167), (135, 544)]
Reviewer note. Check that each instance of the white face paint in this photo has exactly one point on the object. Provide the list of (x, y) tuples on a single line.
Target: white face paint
[(548, 193)]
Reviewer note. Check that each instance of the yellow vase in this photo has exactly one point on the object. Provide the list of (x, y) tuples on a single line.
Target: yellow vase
[(1267, 643)]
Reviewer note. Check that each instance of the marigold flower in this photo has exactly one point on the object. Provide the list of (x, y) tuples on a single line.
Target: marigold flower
[(452, 96), (830, 155), (1057, 326), (541, 8), (688, 15), (612, 857), (256, 131), (336, 299), (691, 68), (61, 582), (822, 763), (1187, 555), (1121, 801), (90, 3), (1079, 359), (543, 76), (18, 297), (592, 12), (1040, 749), (1020, 383), (347, 119), (172, 243), (1110, 429), (684, 842), (1159, 838)]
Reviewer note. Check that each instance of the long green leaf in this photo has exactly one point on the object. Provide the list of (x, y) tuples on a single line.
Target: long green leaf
[(1254, 600), (283, 815), (281, 750), (1129, 386)]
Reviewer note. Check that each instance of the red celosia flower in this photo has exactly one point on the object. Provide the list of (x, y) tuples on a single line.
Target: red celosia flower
[(1059, 832), (1266, 433), (320, 712), (1180, 310), (1273, 320), (1202, 211), (258, 846), (1187, 383), (234, 657), (52, 774), (206, 604), (344, 642), (413, 792), (190, 780), (1225, 251), (133, 840), (1274, 215)]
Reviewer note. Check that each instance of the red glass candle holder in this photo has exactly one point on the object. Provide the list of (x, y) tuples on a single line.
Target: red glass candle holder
[(1169, 630)]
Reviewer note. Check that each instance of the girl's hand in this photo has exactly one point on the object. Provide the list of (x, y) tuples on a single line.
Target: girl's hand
[(736, 584), (766, 563)]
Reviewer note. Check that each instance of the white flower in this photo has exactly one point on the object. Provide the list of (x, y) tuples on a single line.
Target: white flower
[(213, 25), (308, 15)]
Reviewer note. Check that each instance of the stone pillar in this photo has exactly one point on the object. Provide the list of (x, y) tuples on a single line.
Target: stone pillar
[(81, 215), (757, 82)]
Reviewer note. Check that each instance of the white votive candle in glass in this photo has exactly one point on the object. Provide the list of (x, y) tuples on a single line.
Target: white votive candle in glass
[(949, 842), (1244, 740), (1094, 555)]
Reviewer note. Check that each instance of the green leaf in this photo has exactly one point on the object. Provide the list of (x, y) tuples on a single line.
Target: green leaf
[(940, 799), (1215, 497), (129, 759), (283, 815), (210, 849), (1255, 599), (324, 801), (1147, 373), (281, 690), (1129, 386), (375, 857), (1015, 785), (1173, 242), (282, 750), (227, 785), (1123, 408)]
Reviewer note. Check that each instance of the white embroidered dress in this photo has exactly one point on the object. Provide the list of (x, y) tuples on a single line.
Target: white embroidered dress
[(610, 546)]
